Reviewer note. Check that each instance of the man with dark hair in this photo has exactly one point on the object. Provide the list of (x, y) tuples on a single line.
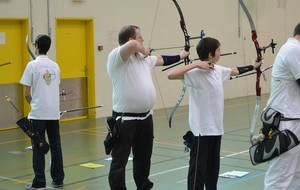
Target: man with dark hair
[(284, 171), (206, 106), (41, 80), (129, 67)]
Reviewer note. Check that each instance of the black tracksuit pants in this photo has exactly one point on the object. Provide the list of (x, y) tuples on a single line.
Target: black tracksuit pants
[(138, 136), (204, 163)]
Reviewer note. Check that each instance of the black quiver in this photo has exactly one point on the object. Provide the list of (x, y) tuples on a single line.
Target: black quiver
[(31, 132)]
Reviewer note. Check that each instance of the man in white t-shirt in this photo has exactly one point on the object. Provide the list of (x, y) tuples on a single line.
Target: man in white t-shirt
[(129, 67), (206, 107), (41, 80), (284, 171)]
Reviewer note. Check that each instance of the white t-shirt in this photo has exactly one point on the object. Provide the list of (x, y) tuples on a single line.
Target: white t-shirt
[(206, 100), (285, 92), (43, 76), (133, 88)]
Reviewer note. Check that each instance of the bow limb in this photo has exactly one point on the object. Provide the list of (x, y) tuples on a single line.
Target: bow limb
[(258, 70), (186, 60), (28, 48), (184, 30)]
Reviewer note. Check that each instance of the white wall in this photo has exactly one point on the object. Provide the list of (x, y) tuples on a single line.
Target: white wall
[(159, 21)]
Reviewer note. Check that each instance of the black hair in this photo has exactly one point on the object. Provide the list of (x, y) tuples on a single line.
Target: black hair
[(43, 42), (126, 33), (297, 30), (205, 46)]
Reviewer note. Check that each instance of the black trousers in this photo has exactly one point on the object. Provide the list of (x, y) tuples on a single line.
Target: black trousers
[(204, 163), (38, 159), (138, 136)]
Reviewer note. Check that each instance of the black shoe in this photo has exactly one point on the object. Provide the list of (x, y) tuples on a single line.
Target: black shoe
[(29, 187), (56, 185)]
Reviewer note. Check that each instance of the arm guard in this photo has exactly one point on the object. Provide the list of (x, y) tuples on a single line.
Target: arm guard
[(245, 69), (170, 59)]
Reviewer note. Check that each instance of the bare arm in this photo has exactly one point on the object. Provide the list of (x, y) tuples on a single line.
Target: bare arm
[(27, 93), (132, 47), (179, 72)]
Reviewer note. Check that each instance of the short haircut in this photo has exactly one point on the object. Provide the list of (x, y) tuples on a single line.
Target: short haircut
[(43, 42), (205, 46), (126, 33), (297, 30)]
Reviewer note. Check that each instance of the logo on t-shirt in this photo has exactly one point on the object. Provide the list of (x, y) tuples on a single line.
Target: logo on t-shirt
[(49, 76)]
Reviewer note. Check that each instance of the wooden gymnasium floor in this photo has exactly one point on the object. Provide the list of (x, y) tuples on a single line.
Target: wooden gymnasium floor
[(82, 143)]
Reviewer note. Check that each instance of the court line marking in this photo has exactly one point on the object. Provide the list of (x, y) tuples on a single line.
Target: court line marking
[(183, 167), (241, 180), (231, 155), (20, 181)]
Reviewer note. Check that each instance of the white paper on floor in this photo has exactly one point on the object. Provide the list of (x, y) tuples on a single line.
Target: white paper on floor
[(233, 174), (110, 158)]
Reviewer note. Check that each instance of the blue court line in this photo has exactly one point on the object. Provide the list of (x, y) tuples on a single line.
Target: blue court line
[(241, 180)]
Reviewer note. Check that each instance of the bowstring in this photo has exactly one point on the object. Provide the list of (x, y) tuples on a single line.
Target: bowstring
[(241, 35), (154, 72)]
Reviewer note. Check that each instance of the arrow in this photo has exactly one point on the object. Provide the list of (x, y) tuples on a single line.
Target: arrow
[(7, 63), (174, 65)]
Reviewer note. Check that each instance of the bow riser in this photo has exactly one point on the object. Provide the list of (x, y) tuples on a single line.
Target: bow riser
[(257, 47), (258, 88)]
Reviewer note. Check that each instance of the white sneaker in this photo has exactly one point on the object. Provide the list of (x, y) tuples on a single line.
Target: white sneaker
[(29, 187)]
